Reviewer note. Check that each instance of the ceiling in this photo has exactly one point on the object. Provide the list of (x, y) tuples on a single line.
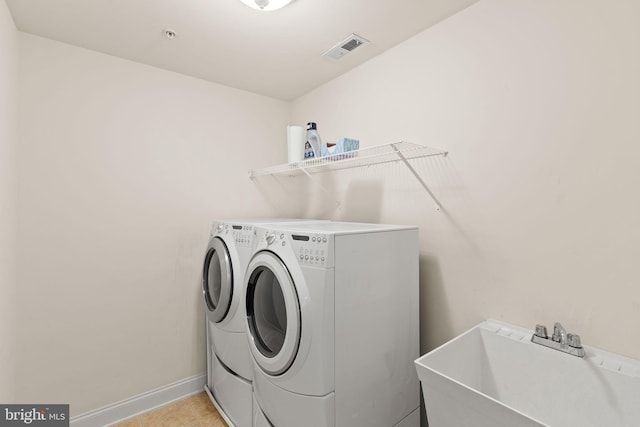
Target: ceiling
[(277, 53)]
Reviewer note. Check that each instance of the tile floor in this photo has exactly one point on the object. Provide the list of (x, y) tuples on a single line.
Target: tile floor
[(194, 411)]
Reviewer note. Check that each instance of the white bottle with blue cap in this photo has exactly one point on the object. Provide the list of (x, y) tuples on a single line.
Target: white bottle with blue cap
[(313, 146)]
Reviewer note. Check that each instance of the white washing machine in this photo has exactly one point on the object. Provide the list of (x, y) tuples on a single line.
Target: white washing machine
[(229, 370), (333, 325)]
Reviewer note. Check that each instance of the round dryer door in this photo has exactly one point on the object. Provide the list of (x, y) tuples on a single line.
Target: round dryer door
[(217, 280), (273, 313)]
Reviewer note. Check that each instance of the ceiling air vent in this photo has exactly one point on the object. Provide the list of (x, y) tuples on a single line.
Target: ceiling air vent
[(345, 47)]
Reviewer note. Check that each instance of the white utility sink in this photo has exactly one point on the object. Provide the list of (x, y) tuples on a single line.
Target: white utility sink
[(493, 375)]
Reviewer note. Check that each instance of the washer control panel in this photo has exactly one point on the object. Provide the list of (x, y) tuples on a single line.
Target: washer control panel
[(310, 249)]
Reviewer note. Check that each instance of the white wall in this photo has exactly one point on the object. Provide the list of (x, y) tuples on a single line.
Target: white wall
[(8, 198), (122, 168), (538, 104)]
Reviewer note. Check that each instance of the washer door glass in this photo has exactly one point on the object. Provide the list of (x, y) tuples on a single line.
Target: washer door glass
[(217, 280), (273, 313)]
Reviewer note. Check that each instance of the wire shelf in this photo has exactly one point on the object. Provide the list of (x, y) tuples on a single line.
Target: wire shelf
[(394, 152)]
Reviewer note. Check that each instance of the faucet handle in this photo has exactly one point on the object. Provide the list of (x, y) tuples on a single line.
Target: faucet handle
[(541, 331), (559, 333), (573, 340)]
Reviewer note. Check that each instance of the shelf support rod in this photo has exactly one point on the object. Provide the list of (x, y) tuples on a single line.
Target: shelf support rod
[(320, 185), (420, 180)]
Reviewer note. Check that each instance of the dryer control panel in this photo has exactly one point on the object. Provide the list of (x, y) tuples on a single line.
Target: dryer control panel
[(242, 235)]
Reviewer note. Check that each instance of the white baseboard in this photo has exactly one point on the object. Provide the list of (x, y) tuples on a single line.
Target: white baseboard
[(136, 405)]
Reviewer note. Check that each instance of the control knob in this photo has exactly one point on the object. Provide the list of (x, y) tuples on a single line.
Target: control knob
[(271, 238)]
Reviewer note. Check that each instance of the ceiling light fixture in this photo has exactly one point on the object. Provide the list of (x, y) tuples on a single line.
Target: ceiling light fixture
[(266, 5)]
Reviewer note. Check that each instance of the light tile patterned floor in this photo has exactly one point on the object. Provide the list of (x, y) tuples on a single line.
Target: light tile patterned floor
[(194, 411)]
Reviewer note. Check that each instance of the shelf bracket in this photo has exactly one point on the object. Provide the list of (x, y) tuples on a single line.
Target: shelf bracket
[(322, 187), (420, 180)]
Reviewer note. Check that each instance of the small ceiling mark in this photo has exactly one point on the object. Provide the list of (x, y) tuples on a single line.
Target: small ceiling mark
[(170, 34)]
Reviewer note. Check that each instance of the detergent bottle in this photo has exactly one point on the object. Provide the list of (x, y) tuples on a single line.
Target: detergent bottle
[(313, 146)]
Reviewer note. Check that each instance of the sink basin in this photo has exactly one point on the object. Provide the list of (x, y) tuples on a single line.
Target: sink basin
[(493, 375)]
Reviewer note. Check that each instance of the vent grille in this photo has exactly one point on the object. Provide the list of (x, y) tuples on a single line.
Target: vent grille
[(345, 47), (351, 44)]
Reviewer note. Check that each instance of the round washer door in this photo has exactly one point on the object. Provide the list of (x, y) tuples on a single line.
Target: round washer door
[(217, 280), (273, 313)]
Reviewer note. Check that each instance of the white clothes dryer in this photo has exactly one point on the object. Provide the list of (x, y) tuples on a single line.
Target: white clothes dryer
[(233, 395), (228, 252), (332, 322), (259, 420), (229, 370)]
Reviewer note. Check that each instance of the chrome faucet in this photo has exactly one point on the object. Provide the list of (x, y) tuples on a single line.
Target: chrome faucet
[(559, 334), (560, 340)]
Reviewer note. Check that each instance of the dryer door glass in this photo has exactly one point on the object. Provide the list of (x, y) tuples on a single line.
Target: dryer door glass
[(217, 280), (273, 313), (214, 280)]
